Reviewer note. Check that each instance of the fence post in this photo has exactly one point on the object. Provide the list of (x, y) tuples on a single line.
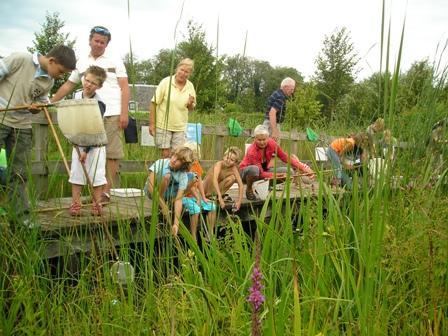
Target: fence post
[(219, 147)]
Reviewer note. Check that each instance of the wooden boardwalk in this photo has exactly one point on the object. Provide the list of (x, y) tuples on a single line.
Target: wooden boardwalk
[(65, 234)]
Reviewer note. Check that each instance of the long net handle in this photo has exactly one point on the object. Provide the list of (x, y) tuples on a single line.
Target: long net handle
[(56, 138), (25, 107)]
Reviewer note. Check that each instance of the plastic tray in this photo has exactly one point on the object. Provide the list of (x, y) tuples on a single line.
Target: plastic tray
[(126, 192)]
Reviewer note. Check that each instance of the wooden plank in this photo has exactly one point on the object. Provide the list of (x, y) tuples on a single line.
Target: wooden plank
[(219, 147), (53, 215), (65, 235)]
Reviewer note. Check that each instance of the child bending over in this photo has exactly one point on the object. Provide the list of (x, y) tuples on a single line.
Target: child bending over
[(168, 180)]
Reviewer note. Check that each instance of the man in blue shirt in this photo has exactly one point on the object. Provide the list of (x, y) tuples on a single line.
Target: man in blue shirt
[(276, 109)]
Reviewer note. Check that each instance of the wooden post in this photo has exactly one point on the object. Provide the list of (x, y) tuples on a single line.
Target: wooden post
[(219, 147), (40, 133)]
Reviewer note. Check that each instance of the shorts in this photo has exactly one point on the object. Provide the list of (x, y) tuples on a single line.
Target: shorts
[(267, 124), (95, 165), (165, 139), (114, 147), (190, 204)]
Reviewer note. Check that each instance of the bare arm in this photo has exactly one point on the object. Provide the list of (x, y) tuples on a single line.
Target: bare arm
[(124, 87), (273, 121), (177, 211), (152, 118), (63, 91), (201, 189), (216, 172), (191, 104)]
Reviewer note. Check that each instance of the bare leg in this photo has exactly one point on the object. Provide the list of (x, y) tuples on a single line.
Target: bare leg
[(225, 184), (249, 187), (211, 221), (194, 219), (112, 168), (76, 193), (97, 193)]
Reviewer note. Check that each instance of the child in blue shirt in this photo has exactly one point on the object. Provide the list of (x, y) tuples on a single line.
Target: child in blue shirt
[(170, 176)]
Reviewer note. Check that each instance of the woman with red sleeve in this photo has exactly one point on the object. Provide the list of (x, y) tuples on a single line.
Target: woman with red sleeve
[(254, 165)]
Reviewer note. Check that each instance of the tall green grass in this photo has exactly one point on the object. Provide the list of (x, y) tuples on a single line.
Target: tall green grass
[(373, 263)]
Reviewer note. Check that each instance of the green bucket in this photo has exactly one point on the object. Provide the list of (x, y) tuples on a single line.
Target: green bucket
[(235, 128), (311, 135), (3, 158)]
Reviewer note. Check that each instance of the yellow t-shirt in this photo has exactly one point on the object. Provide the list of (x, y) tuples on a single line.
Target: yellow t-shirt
[(174, 117)]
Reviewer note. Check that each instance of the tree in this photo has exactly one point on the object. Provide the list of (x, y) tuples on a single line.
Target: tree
[(365, 100), (236, 74), (415, 85), (207, 68), (139, 72), (304, 107), (336, 70), (254, 79), (49, 37)]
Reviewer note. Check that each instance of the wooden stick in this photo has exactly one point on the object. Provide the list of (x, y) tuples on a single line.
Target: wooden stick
[(56, 138), (315, 173), (303, 174), (25, 107), (86, 174)]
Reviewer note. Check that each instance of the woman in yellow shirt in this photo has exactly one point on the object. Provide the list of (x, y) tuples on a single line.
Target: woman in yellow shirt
[(174, 98)]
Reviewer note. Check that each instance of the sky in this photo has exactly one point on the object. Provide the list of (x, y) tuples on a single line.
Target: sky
[(284, 33)]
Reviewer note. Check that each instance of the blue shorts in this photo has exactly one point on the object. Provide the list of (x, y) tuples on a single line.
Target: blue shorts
[(190, 204)]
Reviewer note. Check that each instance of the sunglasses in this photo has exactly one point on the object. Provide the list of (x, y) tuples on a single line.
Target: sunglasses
[(100, 30)]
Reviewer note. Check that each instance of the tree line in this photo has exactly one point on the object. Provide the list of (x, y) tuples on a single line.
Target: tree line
[(242, 84)]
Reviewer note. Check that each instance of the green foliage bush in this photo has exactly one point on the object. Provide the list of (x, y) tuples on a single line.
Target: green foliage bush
[(304, 110)]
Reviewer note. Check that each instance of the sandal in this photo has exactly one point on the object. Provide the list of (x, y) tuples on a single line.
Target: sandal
[(97, 209), (250, 195), (75, 209)]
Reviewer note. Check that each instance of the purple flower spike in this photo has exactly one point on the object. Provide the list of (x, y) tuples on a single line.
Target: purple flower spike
[(256, 298)]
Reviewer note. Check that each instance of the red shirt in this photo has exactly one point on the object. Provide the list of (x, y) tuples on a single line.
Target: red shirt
[(254, 157)]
